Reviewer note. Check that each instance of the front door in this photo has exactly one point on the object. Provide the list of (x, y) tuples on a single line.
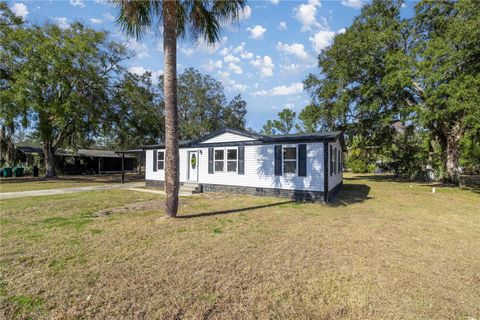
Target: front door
[(193, 165)]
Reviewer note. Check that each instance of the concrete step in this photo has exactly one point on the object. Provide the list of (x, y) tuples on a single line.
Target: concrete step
[(190, 184), (189, 188)]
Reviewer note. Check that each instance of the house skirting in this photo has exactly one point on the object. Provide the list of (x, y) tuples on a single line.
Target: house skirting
[(155, 184), (297, 195), (332, 193)]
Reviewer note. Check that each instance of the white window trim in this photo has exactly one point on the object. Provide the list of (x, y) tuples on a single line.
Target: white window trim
[(158, 160), (215, 159), (226, 160), (296, 159)]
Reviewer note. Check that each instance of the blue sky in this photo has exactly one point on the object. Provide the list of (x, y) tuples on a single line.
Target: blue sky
[(264, 57)]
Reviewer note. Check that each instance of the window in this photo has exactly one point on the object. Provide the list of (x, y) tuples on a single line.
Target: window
[(290, 160), (219, 159), (161, 160), (232, 160)]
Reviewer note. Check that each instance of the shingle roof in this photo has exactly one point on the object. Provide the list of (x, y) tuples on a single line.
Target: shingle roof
[(259, 138)]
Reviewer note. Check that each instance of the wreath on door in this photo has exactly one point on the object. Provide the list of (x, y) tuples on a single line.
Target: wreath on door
[(193, 161)]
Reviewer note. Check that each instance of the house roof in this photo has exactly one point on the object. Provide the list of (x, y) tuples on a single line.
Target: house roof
[(228, 130), (257, 138)]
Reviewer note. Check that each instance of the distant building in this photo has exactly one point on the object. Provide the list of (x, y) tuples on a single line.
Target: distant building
[(82, 161)]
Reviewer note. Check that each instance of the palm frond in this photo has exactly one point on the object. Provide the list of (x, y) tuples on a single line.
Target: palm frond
[(136, 17), (206, 17)]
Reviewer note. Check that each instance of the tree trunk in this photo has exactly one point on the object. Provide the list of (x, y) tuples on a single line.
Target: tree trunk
[(172, 172), (451, 159), (450, 143), (49, 155)]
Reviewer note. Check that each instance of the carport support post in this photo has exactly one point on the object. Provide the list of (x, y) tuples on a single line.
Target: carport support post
[(123, 168)]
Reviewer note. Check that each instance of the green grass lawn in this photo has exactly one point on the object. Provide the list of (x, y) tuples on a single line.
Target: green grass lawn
[(383, 250), (31, 183)]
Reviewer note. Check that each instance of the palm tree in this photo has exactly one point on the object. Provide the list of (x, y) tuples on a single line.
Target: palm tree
[(179, 17)]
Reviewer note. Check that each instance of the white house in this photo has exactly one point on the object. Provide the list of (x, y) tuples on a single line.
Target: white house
[(301, 167)]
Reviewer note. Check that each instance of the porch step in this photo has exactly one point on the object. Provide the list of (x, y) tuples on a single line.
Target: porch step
[(190, 188)]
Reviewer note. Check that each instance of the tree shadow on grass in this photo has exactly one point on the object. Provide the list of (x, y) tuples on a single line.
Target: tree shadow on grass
[(351, 194), (223, 212)]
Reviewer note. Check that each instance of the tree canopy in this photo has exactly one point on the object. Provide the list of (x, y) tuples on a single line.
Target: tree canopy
[(422, 72), (203, 107)]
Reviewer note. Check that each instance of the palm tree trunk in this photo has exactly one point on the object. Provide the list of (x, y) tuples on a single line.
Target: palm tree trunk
[(172, 172)]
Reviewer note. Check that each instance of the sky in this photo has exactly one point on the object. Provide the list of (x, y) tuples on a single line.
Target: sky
[(264, 57)]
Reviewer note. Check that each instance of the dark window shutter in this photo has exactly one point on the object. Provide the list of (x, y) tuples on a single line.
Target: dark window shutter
[(335, 161), (154, 160), (331, 160), (278, 160), (210, 160), (339, 162), (302, 160), (241, 160)]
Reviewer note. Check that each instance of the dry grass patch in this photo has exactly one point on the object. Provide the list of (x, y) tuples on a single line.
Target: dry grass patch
[(384, 250)]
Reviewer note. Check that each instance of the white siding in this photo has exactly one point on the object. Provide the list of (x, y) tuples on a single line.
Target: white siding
[(160, 174), (228, 137), (336, 177), (259, 169)]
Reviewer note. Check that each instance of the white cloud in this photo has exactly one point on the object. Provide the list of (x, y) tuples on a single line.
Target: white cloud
[(322, 40), (202, 46), (223, 74), (357, 4), (294, 49), (244, 54), (140, 70), (290, 68), (282, 25), (231, 58), (257, 32), (108, 16), (240, 50), (306, 13), (211, 65), (235, 68), (61, 22), (245, 14), (274, 1), (77, 3), (20, 10), (230, 84), (224, 51), (265, 65), (140, 49), (96, 21), (293, 88)]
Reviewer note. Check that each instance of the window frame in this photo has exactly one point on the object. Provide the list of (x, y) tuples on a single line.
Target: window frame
[(288, 146), (215, 159), (160, 161), (227, 160)]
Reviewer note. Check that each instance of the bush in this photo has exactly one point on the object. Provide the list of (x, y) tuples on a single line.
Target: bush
[(358, 165)]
